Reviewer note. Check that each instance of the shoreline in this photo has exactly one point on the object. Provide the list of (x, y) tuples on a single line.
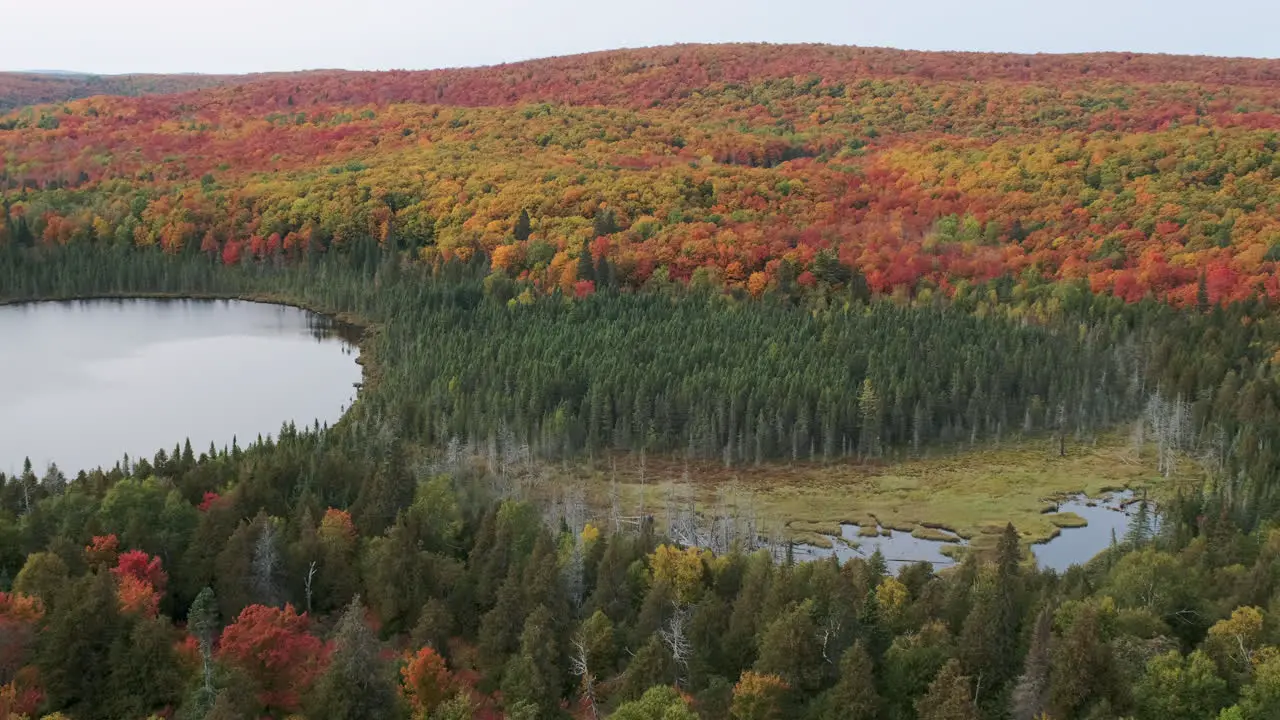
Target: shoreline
[(352, 328)]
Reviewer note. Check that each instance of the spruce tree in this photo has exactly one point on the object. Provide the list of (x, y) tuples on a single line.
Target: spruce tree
[(652, 665), (948, 697), (586, 268), (358, 683), (75, 648), (522, 229), (989, 638), (854, 695), (534, 676), (202, 621), (144, 672), (790, 649), (1031, 693), (1082, 672)]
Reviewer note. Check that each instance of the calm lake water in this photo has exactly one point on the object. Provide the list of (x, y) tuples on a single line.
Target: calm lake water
[(1108, 517), (82, 383), (899, 548)]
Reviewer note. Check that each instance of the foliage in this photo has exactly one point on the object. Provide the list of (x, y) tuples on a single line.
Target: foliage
[(356, 683), (658, 703), (660, 258), (426, 681), (273, 646), (759, 697)]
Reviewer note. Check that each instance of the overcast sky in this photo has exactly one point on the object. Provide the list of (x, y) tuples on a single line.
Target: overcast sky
[(116, 36)]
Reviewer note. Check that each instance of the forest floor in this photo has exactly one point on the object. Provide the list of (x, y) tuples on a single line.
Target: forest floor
[(972, 493)]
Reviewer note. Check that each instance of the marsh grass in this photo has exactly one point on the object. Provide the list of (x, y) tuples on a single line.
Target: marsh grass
[(971, 494)]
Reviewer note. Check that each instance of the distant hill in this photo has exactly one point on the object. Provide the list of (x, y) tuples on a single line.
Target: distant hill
[(49, 86), (1140, 175)]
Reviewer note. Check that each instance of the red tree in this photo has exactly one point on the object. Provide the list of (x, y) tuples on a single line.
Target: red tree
[(273, 646), (426, 681), (142, 566), (102, 551)]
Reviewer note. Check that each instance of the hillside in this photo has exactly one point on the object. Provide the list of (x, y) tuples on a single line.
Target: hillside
[(19, 89), (1138, 175), (633, 324)]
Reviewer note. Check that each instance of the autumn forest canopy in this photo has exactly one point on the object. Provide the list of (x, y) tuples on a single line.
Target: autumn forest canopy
[(733, 255)]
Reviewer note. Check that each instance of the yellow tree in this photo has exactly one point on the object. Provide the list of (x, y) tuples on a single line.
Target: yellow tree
[(681, 569)]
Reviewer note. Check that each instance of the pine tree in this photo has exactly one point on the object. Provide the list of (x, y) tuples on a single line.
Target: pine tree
[(434, 628), (144, 673), (989, 638), (948, 696), (586, 268), (789, 648), (75, 648), (522, 229), (1031, 693), (534, 676), (358, 683), (1082, 673), (44, 575), (202, 620), (854, 695), (658, 703), (652, 665), (500, 627)]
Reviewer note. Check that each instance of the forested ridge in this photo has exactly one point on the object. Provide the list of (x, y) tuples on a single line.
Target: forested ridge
[(743, 254), (1145, 176)]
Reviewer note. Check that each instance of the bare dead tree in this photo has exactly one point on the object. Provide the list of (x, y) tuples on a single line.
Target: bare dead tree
[(615, 500), (573, 574), (1062, 430), (722, 522), (311, 573), (682, 513), (580, 666), (826, 634), (675, 636), (643, 478), (1139, 436), (266, 565), (1170, 422), (574, 499)]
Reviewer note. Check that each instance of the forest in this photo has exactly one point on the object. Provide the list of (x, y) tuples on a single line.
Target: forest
[(749, 255)]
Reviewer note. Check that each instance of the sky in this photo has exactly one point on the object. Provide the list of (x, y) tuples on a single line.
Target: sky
[(237, 36)]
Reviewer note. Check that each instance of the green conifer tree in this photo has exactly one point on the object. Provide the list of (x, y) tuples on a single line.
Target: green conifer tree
[(948, 697), (357, 684)]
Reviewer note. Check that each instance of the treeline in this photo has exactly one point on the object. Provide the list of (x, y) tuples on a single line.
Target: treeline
[(822, 373), (223, 585), (700, 374)]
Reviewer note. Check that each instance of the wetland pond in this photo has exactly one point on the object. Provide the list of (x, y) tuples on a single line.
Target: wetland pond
[(1107, 516), (85, 382)]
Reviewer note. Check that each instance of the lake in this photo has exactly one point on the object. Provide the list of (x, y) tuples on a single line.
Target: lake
[(1109, 518), (85, 382)]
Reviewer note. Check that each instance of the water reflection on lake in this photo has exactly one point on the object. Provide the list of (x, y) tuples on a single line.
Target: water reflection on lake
[(85, 382), (1108, 516)]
